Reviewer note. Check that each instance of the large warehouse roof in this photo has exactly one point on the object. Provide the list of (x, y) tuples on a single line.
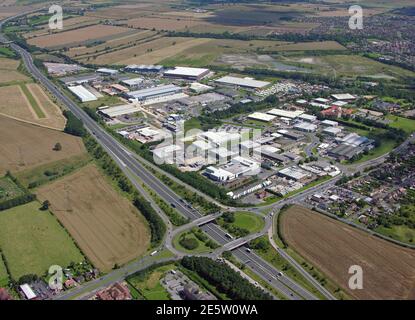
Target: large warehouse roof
[(133, 82), (116, 111), (285, 113), (343, 96), (293, 173), (261, 116), (155, 91), (187, 72), (82, 93), (243, 82)]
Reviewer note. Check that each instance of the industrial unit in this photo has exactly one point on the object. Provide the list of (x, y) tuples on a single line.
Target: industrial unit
[(155, 92), (187, 73), (83, 94), (243, 82)]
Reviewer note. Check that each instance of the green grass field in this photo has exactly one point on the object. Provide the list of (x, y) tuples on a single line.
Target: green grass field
[(4, 277), (347, 65), (150, 287), (386, 146), (249, 221), (408, 125), (401, 233), (33, 240), (202, 248), (9, 190), (104, 101), (45, 173)]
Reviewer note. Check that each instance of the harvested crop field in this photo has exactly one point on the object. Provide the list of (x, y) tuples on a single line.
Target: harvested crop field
[(119, 42), (14, 103), (53, 114), (68, 24), (24, 146), (166, 48), (156, 47), (306, 46), (28, 102), (332, 247), (106, 226), (79, 36), (127, 11), (8, 71), (165, 23)]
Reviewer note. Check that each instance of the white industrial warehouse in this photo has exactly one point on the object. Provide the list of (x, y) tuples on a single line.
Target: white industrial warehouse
[(187, 73), (243, 82), (285, 113), (82, 93)]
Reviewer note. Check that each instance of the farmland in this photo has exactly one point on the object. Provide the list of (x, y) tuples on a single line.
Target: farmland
[(26, 146), (136, 54), (193, 51), (114, 44), (69, 23), (106, 226), (53, 114), (4, 277), (44, 173), (76, 37), (8, 71), (333, 247), (242, 53), (28, 102), (32, 241)]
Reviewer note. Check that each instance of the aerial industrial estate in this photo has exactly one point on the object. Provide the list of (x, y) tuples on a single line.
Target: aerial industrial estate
[(200, 150)]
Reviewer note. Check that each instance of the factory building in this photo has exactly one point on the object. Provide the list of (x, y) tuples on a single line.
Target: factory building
[(236, 168), (81, 79), (106, 71), (285, 113), (134, 68), (307, 117), (221, 138), (83, 94), (259, 116), (133, 83), (305, 127), (343, 97), (291, 135), (243, 82), (116, 111), (187, 73), (329, 123), (294, 173), (332, 131), (155, 92)]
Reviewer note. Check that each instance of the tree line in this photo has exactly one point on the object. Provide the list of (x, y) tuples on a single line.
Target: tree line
[(225, 279), (157, 226), (26, 197)]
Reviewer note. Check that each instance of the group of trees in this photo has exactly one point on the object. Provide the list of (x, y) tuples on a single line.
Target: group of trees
[(227, 220), (73, 126), (225, 279), (157, 226), (190, 243), (26, 197)]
